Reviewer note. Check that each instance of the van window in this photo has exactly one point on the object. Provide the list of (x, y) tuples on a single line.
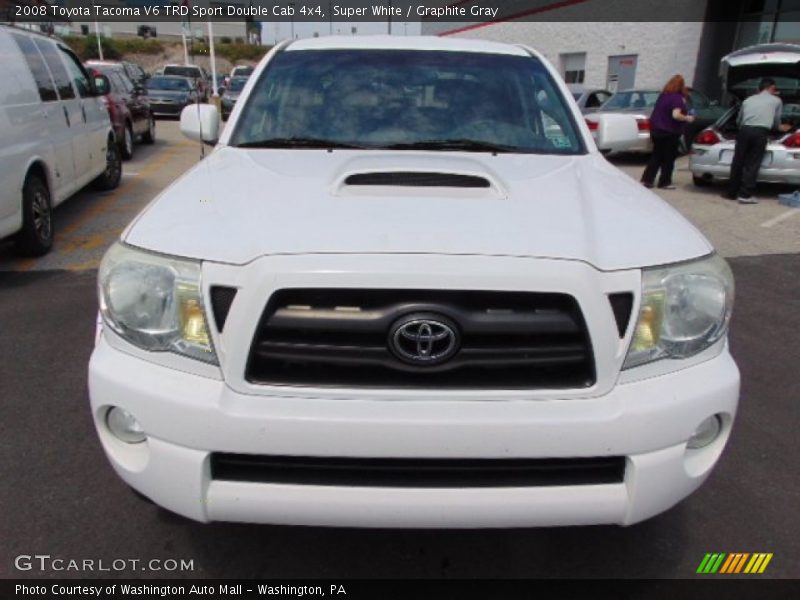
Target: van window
[(53, 59), (47, 91), (79, 77)]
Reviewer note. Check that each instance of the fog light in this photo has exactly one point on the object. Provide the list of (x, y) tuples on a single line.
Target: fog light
[(705, 433), (123, 425)]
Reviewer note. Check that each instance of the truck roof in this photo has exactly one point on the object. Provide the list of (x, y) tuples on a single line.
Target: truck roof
[(393, 42)]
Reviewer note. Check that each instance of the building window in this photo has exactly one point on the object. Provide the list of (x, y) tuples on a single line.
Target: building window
[(573, 66), (764, 21)]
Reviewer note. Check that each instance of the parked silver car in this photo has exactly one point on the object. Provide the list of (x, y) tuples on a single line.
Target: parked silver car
[(712, 150), (588, 99)]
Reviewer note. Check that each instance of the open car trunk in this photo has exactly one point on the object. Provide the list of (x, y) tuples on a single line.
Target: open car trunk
[(742, 71)]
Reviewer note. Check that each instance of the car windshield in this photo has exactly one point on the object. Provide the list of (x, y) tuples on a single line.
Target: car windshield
[(236, 84), (168, 83), (407, 99), (242, 71), (192, 72), (622, 100)]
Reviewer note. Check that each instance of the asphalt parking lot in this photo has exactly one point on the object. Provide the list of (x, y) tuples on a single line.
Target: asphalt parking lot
[(60, 496)]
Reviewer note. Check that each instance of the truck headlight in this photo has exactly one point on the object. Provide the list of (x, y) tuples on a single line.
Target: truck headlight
[(155, 302), (685, 309)]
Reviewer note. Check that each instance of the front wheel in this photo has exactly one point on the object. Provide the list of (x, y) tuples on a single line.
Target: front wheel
[(127, 142), (109, 179), (36, 237), (701, 181), (149, 136)]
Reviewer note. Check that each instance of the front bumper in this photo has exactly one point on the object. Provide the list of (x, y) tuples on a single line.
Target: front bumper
[(187, 417), (168, 109)]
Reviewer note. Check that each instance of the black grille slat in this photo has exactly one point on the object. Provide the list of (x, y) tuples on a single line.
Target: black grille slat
[(417, 472), (418, 179), (221, 300), (621, 305), (340, 337)]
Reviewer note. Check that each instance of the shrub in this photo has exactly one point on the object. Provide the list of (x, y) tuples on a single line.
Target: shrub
[(225, 40), (113, 49)]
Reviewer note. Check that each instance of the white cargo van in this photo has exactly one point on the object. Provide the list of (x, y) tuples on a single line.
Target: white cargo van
[(56, 135)]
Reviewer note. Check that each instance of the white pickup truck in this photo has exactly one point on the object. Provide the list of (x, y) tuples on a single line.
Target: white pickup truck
[(406, 290)]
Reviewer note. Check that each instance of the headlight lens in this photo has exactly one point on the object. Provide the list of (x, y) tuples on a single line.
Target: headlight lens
[(155, 302), (685, 308)]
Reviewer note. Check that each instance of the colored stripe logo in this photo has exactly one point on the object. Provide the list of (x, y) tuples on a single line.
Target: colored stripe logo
[(735, 562)]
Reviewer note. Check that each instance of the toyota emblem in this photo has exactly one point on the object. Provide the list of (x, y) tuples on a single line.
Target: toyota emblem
[(424, 339)]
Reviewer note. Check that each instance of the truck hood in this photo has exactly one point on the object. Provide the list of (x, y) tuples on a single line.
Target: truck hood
[(238, 205)]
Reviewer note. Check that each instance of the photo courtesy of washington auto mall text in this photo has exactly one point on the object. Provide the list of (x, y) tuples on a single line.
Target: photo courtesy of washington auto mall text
[(412, 299)]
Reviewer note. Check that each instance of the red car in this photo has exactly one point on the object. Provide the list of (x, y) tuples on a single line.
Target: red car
[(128, 106)]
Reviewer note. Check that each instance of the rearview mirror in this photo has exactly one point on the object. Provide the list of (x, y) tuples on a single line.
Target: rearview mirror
[(200, 122), (101, 85)]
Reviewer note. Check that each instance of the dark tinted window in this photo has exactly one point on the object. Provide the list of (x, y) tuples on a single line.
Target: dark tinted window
[(47, 91), (168, 83), (76, 72), (237, 84), (53, 59), (406, 99), (193, 72)]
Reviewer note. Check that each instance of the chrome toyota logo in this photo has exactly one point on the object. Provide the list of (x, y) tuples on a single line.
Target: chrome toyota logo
[(423, 340)]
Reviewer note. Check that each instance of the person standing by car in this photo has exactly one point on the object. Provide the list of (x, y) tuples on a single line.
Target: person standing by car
[(759, 114), (666, 128)]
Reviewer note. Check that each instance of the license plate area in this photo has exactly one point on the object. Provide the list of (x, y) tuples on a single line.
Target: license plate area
[(726, 158)]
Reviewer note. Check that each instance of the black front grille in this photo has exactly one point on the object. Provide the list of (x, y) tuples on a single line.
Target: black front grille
[(342, 337), (418, 472)]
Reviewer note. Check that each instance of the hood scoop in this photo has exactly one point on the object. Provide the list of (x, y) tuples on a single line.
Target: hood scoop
[(418, 179), (395, 179)]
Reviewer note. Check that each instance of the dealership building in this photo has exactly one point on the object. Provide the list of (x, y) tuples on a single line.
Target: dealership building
[(582, 41)]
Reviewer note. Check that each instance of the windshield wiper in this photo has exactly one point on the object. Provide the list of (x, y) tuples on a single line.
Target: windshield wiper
[(297, 142), (453, 144)]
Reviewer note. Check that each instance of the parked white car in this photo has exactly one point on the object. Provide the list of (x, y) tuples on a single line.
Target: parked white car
[(406, 290), (712, 151), (622, 124), (56, 135)]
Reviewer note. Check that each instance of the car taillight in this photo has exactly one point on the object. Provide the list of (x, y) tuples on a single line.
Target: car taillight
[(643, 124), (593, 125), (707, 137), (793, 141)]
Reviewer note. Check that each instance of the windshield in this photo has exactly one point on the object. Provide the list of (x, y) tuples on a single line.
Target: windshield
[(168, 83), (192, 72), (242, 71), (236, 84), (407, 99), (624, 100)]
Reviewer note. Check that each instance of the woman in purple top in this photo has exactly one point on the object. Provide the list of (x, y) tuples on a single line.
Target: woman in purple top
[(666, 128)]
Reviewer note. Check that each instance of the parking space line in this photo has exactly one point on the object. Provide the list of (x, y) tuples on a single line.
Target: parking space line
[(155, 163), (781, 217)]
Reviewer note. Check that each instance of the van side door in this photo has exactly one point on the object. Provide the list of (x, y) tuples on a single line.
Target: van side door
[(72, 109), (95, 115), (60, 137)]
